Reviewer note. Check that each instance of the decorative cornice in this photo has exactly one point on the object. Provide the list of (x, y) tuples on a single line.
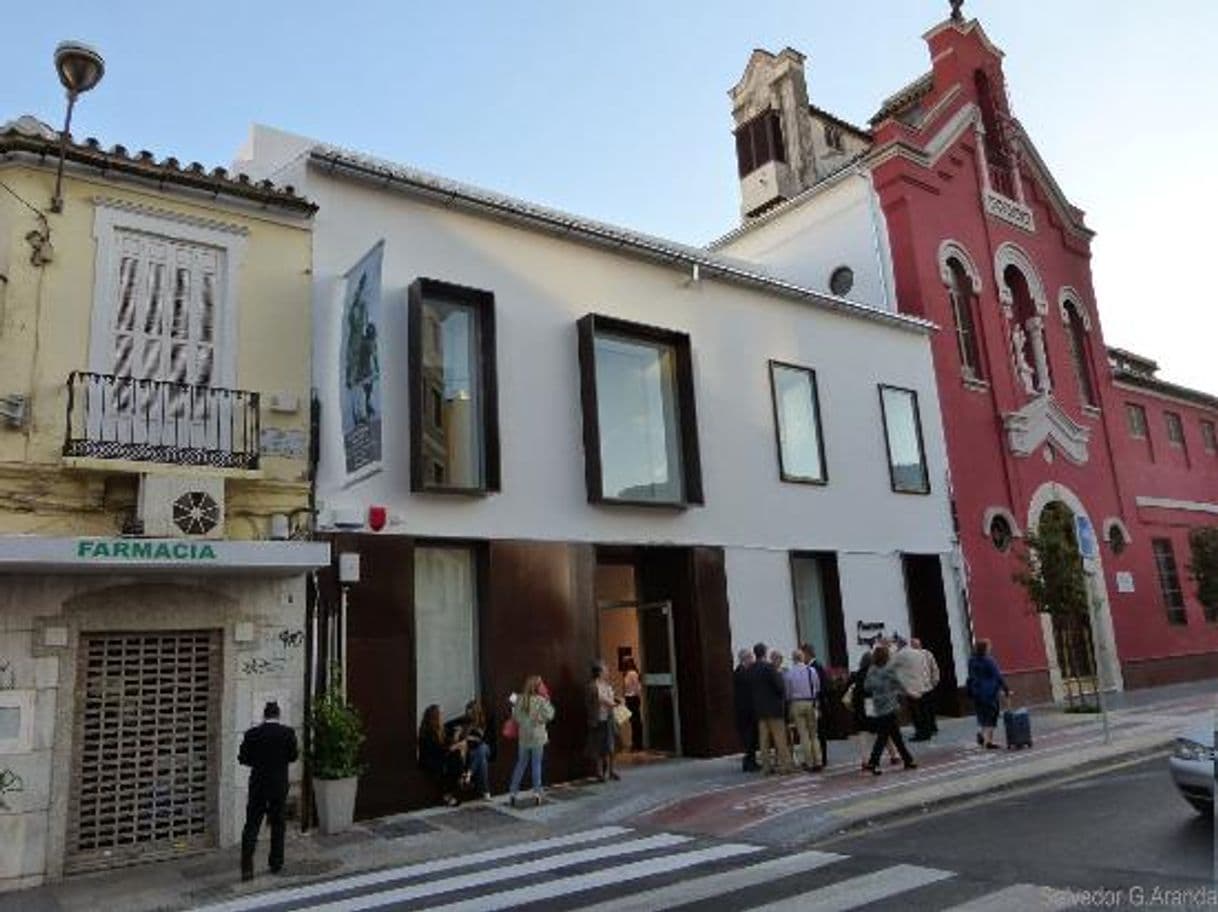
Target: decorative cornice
[(1043, 421), (169, 215), (1009, 211), (1168, 503)]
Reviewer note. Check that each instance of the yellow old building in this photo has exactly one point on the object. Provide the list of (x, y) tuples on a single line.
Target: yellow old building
[(155, 338)]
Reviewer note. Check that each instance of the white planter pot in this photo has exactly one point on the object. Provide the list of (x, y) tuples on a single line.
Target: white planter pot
[(335, 800)]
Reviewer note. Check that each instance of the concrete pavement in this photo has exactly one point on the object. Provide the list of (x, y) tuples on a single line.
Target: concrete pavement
[(700, 798)]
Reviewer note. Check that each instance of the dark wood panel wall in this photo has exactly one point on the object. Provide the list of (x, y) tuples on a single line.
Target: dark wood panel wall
[(381, 668), (537, 615)]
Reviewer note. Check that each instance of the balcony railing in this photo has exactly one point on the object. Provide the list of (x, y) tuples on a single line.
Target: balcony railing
[(161, 421)]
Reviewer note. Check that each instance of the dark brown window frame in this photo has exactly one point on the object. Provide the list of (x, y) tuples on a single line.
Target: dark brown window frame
[(483, 303), (839, 649), (892, 477), (1176, 613), (691, 463), (783, 474)]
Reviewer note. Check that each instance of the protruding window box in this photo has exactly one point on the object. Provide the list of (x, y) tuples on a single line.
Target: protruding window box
[(160, 421), (640, 424)]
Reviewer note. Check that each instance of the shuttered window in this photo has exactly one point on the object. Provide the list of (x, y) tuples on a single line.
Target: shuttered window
[(759, 141), (166, 309)]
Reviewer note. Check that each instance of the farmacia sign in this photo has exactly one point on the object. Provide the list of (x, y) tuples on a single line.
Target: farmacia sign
[(102, 549)]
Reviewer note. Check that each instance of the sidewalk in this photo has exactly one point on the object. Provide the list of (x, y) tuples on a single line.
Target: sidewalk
[(702, 797)]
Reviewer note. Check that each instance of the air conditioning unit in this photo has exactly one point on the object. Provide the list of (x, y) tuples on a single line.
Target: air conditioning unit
[(173, 506)]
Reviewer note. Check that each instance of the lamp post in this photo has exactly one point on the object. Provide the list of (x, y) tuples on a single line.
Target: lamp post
[(80, 68)]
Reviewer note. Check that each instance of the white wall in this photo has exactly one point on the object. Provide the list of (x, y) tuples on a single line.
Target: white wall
[(542, 286), (839, 225)]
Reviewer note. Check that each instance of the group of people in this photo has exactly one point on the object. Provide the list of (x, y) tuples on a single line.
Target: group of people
[(457, 753), (777, 707), (767, 697)]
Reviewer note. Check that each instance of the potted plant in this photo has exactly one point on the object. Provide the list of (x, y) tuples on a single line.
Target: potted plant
[(338, 734)]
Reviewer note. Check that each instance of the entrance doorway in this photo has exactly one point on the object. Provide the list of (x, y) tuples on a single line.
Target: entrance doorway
[(642, 633), (929, 622), (1072, 637)]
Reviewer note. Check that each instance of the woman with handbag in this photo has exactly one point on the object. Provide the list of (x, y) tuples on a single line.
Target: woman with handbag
[(531, 714), (599, 700), (855, 699), (883, 691)]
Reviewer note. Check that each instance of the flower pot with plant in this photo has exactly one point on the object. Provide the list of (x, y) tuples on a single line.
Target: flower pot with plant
[(338, 735)]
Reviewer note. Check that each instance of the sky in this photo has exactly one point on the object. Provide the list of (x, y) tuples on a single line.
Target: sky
[(619, 111)]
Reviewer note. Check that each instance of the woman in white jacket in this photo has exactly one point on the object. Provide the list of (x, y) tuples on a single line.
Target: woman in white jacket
[(533, 712)]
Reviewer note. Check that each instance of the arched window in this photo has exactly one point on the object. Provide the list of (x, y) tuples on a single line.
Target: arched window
[(963, 304), (1080, 354), (1027, 342)]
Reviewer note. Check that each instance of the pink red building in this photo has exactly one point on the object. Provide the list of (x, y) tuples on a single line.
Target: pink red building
[(943, 209)]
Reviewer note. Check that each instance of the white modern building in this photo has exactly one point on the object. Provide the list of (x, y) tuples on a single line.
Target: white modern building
[(562, 439)]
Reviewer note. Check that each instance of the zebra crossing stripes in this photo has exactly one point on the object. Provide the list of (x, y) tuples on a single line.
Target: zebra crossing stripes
[(406, 872), (476, 879), (1016, 898), (713, 885), (859, 891), (622, 874), (616, 869)]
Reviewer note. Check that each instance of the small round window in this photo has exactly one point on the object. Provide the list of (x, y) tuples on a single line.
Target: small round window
[(841, 281), (1001, 532), (1116, 540)]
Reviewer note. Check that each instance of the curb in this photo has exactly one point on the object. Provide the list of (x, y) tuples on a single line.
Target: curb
[(848, 826)]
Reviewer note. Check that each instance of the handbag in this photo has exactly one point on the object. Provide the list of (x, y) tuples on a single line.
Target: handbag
[(848, 697), (511, 729), (621, 715)]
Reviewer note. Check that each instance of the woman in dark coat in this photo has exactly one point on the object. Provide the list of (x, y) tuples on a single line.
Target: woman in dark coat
[(984, 685), (440, 758)]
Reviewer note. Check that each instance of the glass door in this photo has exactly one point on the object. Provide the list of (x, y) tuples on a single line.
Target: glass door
[(661, 715)]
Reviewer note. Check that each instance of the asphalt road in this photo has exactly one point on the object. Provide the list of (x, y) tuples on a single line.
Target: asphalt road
[(1117, 830)]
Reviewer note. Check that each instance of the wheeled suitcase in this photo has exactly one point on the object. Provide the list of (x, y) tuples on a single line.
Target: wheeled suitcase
[(1018, 726)]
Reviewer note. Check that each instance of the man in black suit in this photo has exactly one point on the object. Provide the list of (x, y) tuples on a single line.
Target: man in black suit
[(770, 707), (746, 719), (266, 749)]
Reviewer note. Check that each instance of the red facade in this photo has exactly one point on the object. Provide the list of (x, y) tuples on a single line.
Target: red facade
[(985, 245)]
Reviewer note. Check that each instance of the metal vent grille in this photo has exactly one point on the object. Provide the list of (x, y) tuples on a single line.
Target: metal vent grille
[(145, 760)]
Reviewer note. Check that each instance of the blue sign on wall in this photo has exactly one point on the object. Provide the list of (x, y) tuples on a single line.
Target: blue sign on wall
[(1088, 547)]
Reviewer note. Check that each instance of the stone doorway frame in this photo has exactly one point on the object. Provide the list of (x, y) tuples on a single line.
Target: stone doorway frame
[(1108, 664)]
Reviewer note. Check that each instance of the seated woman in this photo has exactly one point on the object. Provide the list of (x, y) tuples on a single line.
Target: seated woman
[(477, 730), (439, 757)]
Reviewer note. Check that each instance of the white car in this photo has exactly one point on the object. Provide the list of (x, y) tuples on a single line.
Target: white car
[(1192, 767)]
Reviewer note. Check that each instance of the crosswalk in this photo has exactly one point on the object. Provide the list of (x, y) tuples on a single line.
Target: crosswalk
[(617, 869)]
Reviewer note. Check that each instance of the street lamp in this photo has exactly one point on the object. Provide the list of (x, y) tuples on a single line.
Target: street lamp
[(80, 68)]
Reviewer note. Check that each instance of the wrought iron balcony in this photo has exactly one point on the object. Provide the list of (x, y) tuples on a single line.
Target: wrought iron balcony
[(161, 421)]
